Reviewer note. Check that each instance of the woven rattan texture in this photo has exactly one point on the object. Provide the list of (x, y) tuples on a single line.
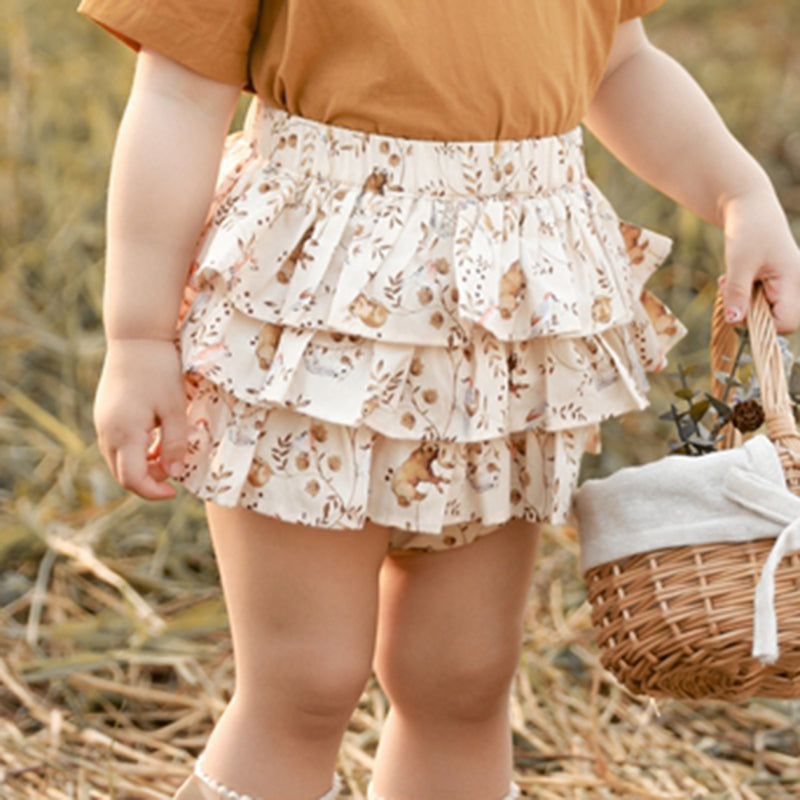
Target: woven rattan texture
[(678, 622)]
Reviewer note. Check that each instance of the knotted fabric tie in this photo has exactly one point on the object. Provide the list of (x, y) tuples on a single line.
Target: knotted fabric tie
[(765, 625)]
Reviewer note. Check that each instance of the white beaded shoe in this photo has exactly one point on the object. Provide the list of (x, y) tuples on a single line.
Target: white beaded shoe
[(222, 791), (514, 792)]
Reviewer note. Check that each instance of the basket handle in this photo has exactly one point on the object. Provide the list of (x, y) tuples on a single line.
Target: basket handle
[(766, 352)]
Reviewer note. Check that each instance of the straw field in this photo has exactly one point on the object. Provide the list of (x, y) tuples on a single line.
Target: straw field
[(114, 647)]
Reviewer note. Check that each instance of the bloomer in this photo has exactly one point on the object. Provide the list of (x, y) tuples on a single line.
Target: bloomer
[(422, 333)]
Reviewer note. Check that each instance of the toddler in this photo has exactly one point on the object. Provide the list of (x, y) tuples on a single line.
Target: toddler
[(375, 331)]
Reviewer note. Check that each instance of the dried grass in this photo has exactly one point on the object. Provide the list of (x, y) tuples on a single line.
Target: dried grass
[(114, 650), (114, 673)]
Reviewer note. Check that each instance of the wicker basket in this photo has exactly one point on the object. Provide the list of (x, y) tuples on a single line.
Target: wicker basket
[(678, 621)]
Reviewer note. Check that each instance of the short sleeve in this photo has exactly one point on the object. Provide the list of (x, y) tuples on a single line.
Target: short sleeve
[(628, 9), (211, 37)]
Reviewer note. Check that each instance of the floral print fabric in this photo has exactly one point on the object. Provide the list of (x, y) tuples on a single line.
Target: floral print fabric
[(422, 333)]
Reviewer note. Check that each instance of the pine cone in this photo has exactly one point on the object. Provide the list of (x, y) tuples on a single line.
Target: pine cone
[(747, 415)]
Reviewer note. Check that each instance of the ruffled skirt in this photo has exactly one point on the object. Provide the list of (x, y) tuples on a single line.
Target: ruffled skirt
[(421, 333)]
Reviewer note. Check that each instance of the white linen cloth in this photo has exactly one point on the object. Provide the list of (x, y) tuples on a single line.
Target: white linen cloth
[(731, 495)]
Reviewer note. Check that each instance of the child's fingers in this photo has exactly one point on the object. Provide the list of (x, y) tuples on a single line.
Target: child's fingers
[(173, 440), (132, 472), (155, 469), (784, 307), (783, 301), (154, 448), (736, 293)]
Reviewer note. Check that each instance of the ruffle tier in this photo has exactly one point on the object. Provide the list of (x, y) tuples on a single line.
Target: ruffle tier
[(304, 469), (425, 359)]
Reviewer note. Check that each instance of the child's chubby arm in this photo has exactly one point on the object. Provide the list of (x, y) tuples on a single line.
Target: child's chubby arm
[(163, 174), (654, 117)]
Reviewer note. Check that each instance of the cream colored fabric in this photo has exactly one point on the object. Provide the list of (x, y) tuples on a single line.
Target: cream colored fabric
[(731, 495), (424, 334)]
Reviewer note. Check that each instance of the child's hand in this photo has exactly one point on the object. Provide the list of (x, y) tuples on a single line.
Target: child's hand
[(759, 246), (141, 389)]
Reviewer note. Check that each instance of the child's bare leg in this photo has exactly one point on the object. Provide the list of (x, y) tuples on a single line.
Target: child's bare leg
[(302, 605), (449, 640)]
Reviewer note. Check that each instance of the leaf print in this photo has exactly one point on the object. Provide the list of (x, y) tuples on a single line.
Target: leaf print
[(225, 209), (220, 473), (394, 213), (497, 356), (308, 148), (456, 336), (535, 413), (453, 508), (300, 401), (287, 141), (380, 249), (489, 225), (355, 514), (445, 379), (280, 451), (393, 384), (572, 412), (393, 290)]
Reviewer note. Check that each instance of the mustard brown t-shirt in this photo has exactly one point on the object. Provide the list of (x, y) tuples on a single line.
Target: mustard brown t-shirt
[(425, 69)]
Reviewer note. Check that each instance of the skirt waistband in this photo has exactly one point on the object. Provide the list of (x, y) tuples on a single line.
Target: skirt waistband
[(388, 164)]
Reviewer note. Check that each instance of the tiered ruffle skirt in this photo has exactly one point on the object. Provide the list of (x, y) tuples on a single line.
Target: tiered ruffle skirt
[(421, 333)]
